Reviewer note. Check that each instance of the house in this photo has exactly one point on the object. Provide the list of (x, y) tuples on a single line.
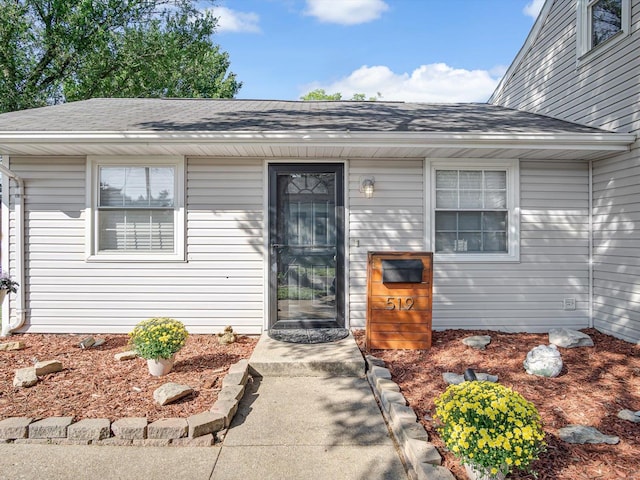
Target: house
[(260, 214), (581, 63)]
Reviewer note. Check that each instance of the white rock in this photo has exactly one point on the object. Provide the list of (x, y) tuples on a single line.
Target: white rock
[(129, 355), (629, 415), (49, 366), (567, 338), (479, 342), (544, 360), (171, 392), (25, 377), (582, 434)]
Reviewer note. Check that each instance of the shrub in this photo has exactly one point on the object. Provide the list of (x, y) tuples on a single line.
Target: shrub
[(489, 426), (158, 337)]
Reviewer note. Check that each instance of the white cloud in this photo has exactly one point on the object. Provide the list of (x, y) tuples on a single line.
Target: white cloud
[(435, 83), (346, 12), (234, 21), (532, 9)]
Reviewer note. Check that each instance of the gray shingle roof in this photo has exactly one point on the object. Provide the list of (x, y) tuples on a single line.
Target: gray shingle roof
[(136, 115)]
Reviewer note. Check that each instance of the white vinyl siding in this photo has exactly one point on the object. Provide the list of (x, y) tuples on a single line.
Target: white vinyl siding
[(601, 91), (393, 219), (222, 282), (554, 246), (616, 221)]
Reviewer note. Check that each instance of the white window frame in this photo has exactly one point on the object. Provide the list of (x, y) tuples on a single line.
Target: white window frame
[(512, 169), (584, 49), (92, 235)]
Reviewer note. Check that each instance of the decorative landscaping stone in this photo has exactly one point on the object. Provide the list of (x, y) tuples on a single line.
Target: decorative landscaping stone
[(171, 392), (205, 423), (89, 429), (422, 452), (15, 427), (371, 361), (52, 427), (456, 379), (25, 377), (167, 428), (582, 434), (544, 361), (427, 471), (386, 384), (227, 337), (380, 372), (479, 342), (625, 414), (203, 441), (226, 409), (567, 338), (129, 355), (152, 442), (237, 374), (232, 392), (130, 428), (49, 366), (10, 346), (86, 342)]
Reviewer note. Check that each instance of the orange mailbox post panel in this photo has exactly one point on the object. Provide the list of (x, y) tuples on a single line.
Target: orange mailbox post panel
[(399, 298)]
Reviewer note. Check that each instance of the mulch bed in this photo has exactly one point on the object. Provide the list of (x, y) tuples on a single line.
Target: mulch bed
[(595, 384), (94, 385)]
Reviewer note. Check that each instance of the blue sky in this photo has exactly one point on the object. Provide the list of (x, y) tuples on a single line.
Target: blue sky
[(411, 50)]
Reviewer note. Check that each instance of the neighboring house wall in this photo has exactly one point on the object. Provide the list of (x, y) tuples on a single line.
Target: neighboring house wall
[(616, 220), (601, 90)]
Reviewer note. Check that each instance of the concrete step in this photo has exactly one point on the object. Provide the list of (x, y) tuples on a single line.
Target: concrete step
[(272, 358)]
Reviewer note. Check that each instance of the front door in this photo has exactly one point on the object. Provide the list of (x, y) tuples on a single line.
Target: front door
[(306, 231)]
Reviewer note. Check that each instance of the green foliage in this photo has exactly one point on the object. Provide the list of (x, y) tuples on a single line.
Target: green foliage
[(320, 94), (61, 50), (489, 426), (298, 293), (158, 337), (6, 283)]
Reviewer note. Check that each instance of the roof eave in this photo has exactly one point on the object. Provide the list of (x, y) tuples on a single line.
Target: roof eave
[(600, 141)]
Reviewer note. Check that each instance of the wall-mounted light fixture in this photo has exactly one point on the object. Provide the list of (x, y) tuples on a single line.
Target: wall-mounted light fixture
[(367, 186)]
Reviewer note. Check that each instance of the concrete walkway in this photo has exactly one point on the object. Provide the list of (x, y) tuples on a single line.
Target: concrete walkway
[(287, 427)]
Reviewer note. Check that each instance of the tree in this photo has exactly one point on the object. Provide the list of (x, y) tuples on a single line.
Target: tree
[(321, 94), (62, 50)]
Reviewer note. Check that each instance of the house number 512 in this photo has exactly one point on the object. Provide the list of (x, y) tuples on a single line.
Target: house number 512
[(399, 303)]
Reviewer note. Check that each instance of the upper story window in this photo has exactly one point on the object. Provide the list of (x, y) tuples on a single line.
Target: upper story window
[(475, 211), (137, 209), (601, 23)]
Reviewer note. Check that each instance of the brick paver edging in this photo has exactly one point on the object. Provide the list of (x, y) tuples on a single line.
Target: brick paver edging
[(419, 455), (197, 430)]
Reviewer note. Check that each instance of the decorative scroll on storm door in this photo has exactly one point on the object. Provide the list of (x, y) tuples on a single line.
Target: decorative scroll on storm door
[(306, 211)]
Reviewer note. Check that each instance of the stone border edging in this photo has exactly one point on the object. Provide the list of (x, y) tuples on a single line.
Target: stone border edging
[(199, 430), (421, 457)]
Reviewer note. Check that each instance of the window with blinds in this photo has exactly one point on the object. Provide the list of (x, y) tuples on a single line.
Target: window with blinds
[(136, 209), (471, 211)]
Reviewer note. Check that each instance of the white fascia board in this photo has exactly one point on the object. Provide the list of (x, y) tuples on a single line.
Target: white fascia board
[(578, 141)]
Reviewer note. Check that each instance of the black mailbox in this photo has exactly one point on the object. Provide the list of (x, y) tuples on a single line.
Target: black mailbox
[(402, 271)]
